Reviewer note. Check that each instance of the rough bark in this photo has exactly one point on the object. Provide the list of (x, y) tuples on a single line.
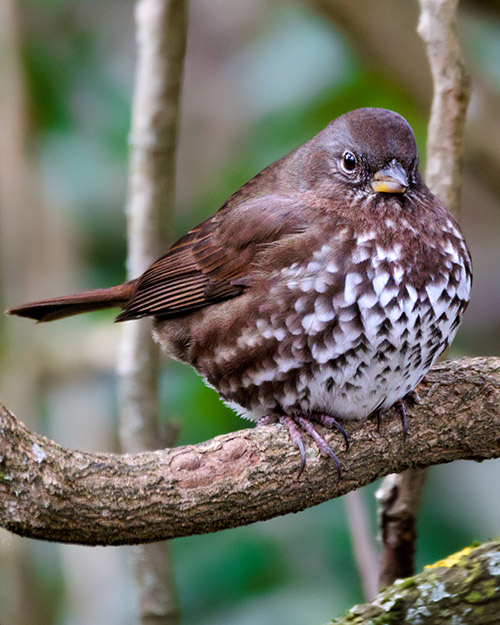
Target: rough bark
[(53, 493), (464, 588)]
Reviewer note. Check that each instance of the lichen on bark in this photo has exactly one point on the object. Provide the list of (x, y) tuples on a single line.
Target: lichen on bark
[(463, 589)]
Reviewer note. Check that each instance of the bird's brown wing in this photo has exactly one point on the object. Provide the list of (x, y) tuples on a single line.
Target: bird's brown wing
[(211, 263)]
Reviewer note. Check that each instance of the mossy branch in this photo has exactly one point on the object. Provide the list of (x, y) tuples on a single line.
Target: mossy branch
[(463, 588)]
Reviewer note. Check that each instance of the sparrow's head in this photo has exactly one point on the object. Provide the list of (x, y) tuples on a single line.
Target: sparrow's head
[(366, 151)]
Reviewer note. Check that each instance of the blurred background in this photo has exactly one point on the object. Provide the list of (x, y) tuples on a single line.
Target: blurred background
[(261, 77)]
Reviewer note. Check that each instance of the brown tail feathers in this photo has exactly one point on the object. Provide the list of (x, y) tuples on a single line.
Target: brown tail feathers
[(68, 305)]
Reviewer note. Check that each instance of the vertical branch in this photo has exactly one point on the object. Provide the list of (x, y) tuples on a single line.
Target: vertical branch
[(399, 498), (161, 27), (445, 137), (364, 550), (400, 495)]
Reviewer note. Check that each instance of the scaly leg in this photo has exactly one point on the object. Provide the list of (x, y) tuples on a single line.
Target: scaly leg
[(297, 425)]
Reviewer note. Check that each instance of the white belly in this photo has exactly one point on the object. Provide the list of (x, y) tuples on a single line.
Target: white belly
[(358, 350)]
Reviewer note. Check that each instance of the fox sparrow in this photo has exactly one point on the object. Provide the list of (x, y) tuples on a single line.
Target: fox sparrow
[(323, 290)]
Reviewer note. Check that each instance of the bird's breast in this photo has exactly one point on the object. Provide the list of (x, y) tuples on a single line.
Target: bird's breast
[(351, 328)]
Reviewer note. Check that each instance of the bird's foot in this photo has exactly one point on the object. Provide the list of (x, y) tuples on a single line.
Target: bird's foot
[(401, 408), (378, 415), (297, 425), (412, 398), (330, 423)]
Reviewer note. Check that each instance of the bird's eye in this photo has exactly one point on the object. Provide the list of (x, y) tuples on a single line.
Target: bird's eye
[(349, 161)]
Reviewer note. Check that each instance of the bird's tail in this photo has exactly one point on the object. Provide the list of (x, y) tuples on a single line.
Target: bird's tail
[(68, 305)]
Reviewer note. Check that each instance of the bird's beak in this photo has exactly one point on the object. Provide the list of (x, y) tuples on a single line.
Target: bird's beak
[(390, 179)]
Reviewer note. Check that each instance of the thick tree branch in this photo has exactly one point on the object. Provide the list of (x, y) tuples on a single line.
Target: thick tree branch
[(464, 587), (53, 493)]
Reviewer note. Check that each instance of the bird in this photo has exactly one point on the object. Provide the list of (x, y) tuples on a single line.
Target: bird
[(322, 291)]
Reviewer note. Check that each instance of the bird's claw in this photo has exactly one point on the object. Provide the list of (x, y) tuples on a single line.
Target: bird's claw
[(296, 425), (401, 408)]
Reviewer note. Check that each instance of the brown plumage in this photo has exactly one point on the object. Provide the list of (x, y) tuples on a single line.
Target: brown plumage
[(322, 290)]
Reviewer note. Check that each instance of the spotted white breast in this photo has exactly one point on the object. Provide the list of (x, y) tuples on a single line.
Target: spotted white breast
[(348, 338)]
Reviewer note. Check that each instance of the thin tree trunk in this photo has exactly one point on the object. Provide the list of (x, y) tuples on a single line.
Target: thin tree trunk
[(161, 40)]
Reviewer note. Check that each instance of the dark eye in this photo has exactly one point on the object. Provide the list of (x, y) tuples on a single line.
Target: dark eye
[(349, 161)]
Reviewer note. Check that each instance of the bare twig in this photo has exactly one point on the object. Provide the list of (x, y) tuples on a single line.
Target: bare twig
[(400, 495), (161, 42), (445, 138), (362, 539), (58, 494)]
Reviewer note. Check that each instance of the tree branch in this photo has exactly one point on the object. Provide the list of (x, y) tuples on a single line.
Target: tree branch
[(451, 82), (53, 493), (464, 586), (399, 498)]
